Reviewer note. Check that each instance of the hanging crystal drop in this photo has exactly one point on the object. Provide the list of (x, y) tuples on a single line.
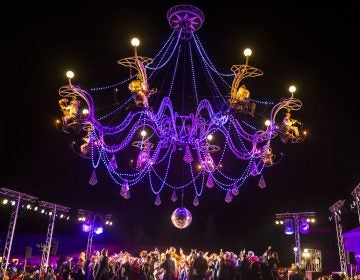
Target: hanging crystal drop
[(209, 182), (262, 183), (228, 197), (254, 169), (93, 178), (173, 196), (124, 192), (157, 200), (113, 163), (196, 201), (235, 190), (188, 156)]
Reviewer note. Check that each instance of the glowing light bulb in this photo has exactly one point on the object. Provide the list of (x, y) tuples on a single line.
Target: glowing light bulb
[(312, 220), (143, 133), (296, 249), (267, 122), (85, 111), (210, 137), (292, 89), (135, 42), (247, 52), (5, 201), (277, 222), (70, 74)]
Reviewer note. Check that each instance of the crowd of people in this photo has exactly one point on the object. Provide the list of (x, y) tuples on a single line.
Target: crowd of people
[(168, 265)]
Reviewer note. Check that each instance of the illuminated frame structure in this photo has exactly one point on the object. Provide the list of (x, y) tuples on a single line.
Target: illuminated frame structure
[(296, 219), (156, 127)]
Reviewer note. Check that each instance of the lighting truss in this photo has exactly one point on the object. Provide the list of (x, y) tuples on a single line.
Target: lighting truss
[(53, 210), (18, 197), (356, 194), (336, 213), (296, 218), (92, 218)]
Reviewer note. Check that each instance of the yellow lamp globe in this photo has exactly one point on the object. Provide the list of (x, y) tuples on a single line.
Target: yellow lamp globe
[(292, 89), (135, 42), (247, 52), (70, 74)]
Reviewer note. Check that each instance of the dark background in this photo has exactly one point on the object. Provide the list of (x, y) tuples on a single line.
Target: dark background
[(311, 47)]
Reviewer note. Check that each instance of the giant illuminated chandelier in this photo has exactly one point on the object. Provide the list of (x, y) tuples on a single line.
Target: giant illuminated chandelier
[(161, 130)]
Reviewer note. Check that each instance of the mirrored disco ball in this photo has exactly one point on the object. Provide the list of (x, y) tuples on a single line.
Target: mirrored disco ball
[(181, 217)]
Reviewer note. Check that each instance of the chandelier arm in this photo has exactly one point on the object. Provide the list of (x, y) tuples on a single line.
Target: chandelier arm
[(290, 104), (239, 154), (111, 130), (125, 142)]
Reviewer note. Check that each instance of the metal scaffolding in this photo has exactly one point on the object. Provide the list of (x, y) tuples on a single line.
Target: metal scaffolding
[(296, 218), (53, 210), (92, 219), (17, 198), (356, 194), (336, 213)]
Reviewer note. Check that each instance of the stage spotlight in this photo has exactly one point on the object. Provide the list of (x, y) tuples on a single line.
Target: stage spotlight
[(289, 226), (28, 206), (99, 230), (61, 216), (304, 226), (86, 227), (13, 203), (5, 201)]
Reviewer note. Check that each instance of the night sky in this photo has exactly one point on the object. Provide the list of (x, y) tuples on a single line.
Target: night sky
[(311, 47)]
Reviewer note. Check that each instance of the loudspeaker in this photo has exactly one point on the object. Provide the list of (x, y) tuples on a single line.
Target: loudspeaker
[(54, 247), (350, 258), (28, 252)]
